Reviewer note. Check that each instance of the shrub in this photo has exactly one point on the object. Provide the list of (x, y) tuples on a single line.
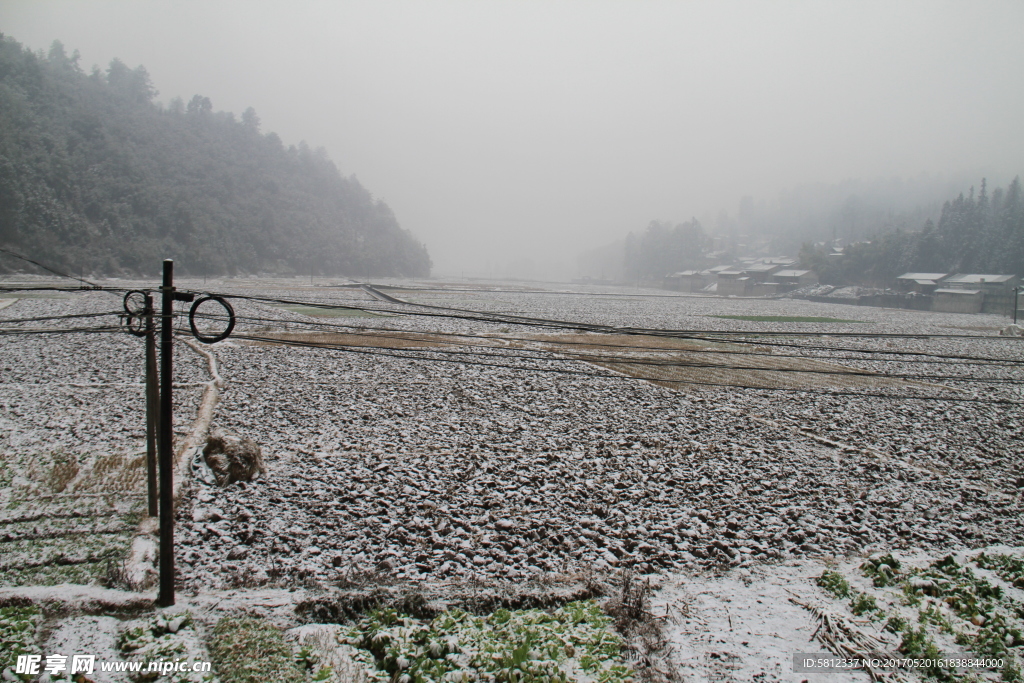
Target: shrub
[(835, 584)]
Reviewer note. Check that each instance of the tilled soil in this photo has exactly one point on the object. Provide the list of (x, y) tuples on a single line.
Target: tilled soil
[(430, 470)]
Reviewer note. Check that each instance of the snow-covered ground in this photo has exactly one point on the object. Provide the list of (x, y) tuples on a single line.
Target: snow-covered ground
[(446, 471)]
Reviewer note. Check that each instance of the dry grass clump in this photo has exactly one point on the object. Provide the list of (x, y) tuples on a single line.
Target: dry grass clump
[(118, 576), (68, 473), (333, 657), (669, 361), (672, 362), (70, 517), (646, 644), (61, 474), (376, 340), (116, 472), (610, 343)]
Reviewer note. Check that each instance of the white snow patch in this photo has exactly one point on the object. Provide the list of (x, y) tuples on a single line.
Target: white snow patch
[(742, 626)]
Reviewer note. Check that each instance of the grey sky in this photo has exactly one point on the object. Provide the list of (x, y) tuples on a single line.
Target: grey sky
[(497, 130)]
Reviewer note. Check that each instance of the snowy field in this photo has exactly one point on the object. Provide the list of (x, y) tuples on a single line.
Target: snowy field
[(436, 470), (415, 463)]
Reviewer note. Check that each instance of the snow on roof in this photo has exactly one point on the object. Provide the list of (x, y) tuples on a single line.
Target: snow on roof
[(958, 291), (978, 278), (922, 276), (791, 273)]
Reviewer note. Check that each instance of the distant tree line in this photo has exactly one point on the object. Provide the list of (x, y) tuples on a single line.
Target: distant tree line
[(664, 248), (975, 234), (95, 175)]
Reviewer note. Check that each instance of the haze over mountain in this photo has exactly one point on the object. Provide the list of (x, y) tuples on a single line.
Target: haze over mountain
[(514, 132), (94, 176)]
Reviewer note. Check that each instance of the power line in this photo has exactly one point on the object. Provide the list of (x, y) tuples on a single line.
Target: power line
[(479, 316), (546, 355), (677, 334), (607, 360), (54, 330), (698, 336), (45, 267), (363, 351), (54, 288), (351, 329), (57, 317)]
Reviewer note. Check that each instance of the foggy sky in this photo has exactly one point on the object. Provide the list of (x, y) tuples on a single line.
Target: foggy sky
[(499, 130)]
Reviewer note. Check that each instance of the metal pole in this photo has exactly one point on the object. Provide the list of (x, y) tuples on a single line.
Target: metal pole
[(165, 597), (152, 408), (1016, 291)]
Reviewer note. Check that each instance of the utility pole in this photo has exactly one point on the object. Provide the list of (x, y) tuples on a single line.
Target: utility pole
[(165, 597), (1016, 291), (165, 442), (152, 408)]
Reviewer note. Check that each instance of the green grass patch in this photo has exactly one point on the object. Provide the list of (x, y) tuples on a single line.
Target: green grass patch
[(86, 574), (64, 559), (246, 650), (784, 319), (918, 645), (1006, 567), (948, 600), (882, 569), (18, 629), (317, 312), (574, 642), (955, 584), (862, 603)]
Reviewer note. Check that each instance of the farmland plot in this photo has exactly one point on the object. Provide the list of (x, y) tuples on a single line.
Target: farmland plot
[(452, 452), (72, 434)]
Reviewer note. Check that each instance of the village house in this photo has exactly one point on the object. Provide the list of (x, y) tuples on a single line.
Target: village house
[(996, 292), (921, 283)]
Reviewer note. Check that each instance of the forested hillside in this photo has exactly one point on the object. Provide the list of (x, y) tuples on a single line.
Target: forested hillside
[(980, 233), (96, 176)]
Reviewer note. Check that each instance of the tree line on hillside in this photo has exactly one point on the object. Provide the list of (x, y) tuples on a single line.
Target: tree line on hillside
[(850, 211), (663, 248), (979, 233), (974, 234), (96, 175)]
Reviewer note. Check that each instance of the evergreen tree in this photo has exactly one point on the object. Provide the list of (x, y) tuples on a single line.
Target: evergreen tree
[(974, 235)]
